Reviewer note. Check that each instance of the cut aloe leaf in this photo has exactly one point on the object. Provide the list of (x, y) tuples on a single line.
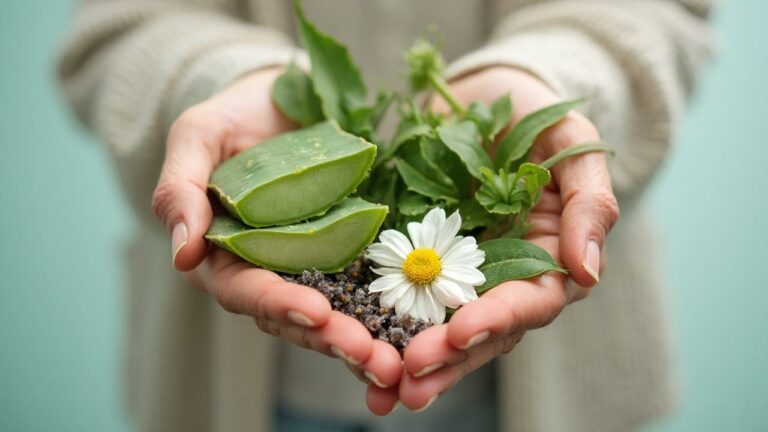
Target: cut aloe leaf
[(294, 176), (327, 243)]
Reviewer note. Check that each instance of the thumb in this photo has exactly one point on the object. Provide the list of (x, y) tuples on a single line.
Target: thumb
[(180, 201), (589, 207)]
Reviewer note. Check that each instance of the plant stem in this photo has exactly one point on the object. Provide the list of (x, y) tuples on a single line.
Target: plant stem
[(441, 87), (597, 146)]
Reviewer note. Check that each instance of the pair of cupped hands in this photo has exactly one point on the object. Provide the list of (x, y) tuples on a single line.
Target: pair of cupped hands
[(571, 222)]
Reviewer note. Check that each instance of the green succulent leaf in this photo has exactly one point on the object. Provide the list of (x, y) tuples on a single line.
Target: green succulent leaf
[(514, 259), (294, 94), (417, 182), (349, 227), (336, 78), (515, 146), (464, 140), (597, 146)]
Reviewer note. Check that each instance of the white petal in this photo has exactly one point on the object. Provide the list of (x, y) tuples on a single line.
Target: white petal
[(435, 217), (387, 282), (448, 292), (431, 227), (469, 292), (383, 271), (464, 273), (447, 233), (459, 251), (397, 241), (391, 297), (414, 232), (383, 255), (435, 310), (405, 301)]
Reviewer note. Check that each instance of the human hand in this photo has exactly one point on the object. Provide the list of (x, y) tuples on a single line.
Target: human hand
[(571, 222), (205, 135)]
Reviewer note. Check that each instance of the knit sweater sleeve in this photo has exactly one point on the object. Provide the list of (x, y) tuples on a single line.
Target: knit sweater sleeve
[(636, 61), (130, 67)]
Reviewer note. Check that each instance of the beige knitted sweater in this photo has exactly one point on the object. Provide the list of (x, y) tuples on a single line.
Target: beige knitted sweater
[(131, 66)]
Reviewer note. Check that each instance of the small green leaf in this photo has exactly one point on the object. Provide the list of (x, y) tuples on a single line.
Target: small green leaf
[(336, 78), (473, 215), (418, 183), (411, 204), (518, 142), (502, 115), (294, 95), (406, 131), (567, 152), (480, 114), (441, 157), (413, 153), (513, 259), (534, 178), (463, 139)]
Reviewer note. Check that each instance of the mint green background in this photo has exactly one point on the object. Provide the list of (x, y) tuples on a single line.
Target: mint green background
[(63, 223)]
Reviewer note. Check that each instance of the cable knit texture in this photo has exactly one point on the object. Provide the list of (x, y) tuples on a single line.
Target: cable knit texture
[(130, 67)]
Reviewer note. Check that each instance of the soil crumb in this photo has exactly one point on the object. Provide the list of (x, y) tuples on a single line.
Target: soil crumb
[(348, 293)]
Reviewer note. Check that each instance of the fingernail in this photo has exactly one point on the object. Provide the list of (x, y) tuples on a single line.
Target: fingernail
[(571, 288), (591, 262), (429, 369), (430, 402), (300, 319), (179, 239), (477, 339), (344, 356), (374, 379), (395, 407)]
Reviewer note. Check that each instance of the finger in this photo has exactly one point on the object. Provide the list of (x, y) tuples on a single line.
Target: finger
[(430, 350), (419, 393), (381, 401), (343, 337), (512, 306), (384, 366), (243, 289), (180, 200), (589, 207)]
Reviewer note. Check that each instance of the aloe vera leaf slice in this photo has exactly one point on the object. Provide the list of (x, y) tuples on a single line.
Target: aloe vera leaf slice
[(327, 243), (293, 176)]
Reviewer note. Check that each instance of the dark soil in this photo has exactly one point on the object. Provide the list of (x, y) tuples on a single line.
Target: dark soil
[(348, 293)]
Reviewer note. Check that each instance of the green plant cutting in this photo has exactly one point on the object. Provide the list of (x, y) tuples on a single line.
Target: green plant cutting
[(309, 203)]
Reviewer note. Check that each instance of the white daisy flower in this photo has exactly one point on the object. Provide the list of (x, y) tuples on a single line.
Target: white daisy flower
[(434, 269)]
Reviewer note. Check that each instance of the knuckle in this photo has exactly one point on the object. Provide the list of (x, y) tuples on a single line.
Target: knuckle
[(162, 198), (575, 128), (607, 207)]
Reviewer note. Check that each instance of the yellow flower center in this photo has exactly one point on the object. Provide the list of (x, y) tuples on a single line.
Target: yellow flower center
[(422, 266)]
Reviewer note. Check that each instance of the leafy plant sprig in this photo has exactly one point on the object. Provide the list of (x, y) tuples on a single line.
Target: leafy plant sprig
[(435, 160)]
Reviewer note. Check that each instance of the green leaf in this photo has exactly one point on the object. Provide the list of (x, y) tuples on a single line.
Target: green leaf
[(293, 176), (382, 188), (418, 183), (480, 114), (463, 139), (336, 78), (502, 115), (567, 152), (441, 157), (473, 215), (534, 178), (413, 153), (294, 95), (411, 204), (406, 131), (513, 259), (493, 202), (327, 243), (518, 142)]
